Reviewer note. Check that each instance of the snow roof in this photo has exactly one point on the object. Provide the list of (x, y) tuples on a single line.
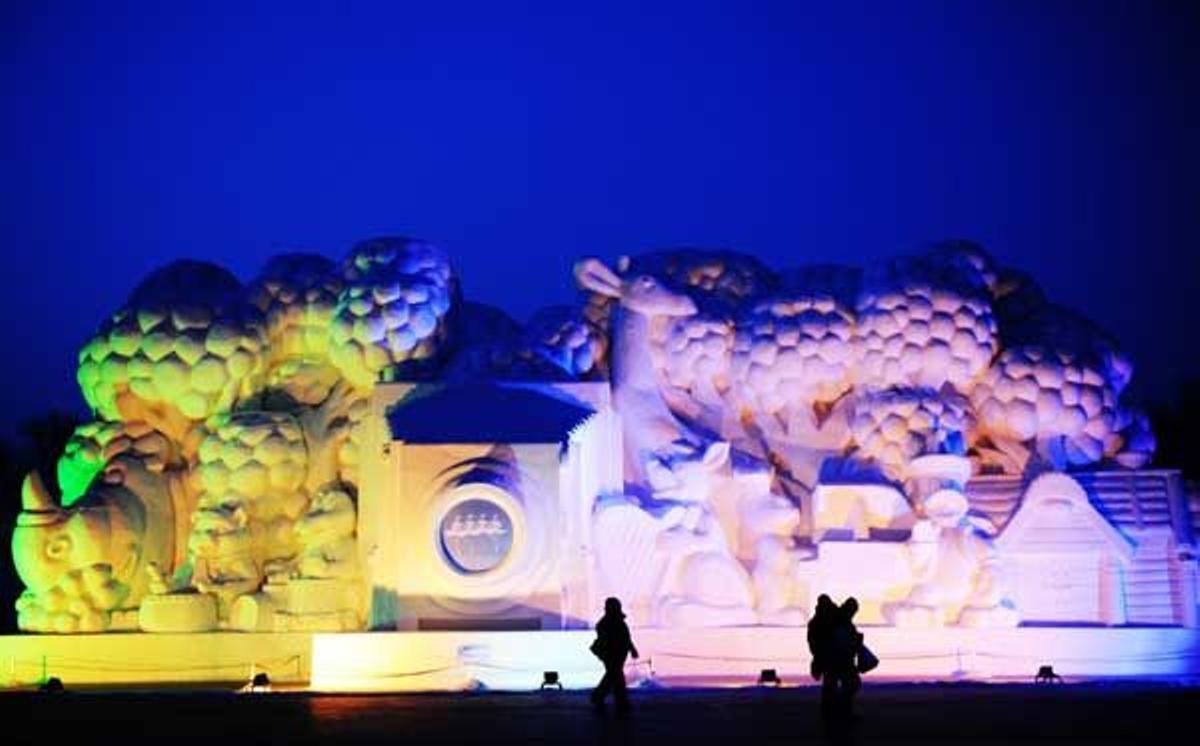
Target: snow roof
[(1131, 501), (486, 413)]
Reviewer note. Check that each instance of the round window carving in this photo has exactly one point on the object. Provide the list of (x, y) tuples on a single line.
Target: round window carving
[(476, 536)]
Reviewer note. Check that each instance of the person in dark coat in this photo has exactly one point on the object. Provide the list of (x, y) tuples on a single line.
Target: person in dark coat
[(612, 644), (819, 630), (841, 678)]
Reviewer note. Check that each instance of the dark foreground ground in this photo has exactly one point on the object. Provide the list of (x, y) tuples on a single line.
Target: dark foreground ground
[(953, 713)]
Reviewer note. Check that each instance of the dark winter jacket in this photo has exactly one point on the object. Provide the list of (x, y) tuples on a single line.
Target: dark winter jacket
[(613, 642)]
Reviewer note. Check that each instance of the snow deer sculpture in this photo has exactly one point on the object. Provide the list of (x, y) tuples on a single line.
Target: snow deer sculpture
[(654, 436)]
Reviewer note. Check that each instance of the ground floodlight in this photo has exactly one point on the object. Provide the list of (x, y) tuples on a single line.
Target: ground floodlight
[(550, 679), (769, 676), (474, 685), (1046, 675), (52, 685), (260, 683)]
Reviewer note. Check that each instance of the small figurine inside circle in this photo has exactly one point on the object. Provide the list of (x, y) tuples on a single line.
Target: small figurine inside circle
[(476, 536)]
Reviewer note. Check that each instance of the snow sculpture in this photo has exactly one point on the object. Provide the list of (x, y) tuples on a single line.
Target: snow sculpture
[(857, 508), (793, 359), (725, 279), (271, 505), (564, 337), (84, 564), (163, 611), (887, 368), (185, 346), (1051, 400), (772, 522), (1054, 391), (298, 294), (326, 531), (252, 467), (766, 526), (1137, 439), (393, 309), (695, 580), (776, 431), (692, 360), (1096, 562), (93, 448), (693, 353), (687, 552), (923, 323), (759, 511), (320, 589), (894, 426), (779, 600), (781, 365), (957, 578), (654, 436), (703, 585), (221, 474)]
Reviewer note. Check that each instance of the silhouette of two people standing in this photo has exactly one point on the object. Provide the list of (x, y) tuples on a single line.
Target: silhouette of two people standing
[(838, 655), (612, 645)]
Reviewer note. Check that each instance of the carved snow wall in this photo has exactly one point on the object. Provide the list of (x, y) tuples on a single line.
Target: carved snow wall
[(469, 523)]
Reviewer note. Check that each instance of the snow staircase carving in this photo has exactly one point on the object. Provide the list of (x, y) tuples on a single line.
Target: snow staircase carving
[(1149, 507)]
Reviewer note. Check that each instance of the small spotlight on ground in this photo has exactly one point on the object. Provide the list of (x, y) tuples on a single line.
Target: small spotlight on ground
[(769, 676), (52, 685), (550, 679), (259, 683)]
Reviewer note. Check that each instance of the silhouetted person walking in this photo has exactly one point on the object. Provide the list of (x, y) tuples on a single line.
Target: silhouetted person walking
[(840, 664), (820, 627), (612, 644)]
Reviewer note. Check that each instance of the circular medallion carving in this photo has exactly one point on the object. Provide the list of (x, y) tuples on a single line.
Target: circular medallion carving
[(476, 535)]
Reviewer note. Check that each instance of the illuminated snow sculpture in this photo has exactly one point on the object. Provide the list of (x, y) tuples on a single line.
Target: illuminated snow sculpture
[(924, 321), (1053, 392), (793, 361), (298, 296), (392, 310), (703, 583), (485, 528), (957, 574), (84, 561), (186, 345), (719, 442), (875, 371), (654, 435), (676, 549), (891, 427), (218, 487)]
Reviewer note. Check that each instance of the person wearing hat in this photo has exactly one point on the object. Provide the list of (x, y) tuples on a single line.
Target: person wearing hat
[(611, 646)]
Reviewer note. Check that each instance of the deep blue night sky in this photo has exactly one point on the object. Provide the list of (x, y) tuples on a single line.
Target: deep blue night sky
[(1062, 135)]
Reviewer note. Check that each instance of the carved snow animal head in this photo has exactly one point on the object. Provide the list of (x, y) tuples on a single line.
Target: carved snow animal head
[(640, 293), (49, 541), (109, 534)]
